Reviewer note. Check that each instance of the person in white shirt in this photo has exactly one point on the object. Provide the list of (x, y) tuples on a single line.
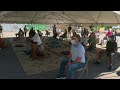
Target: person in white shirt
[(36, 45), (75, 60), (36, 38)]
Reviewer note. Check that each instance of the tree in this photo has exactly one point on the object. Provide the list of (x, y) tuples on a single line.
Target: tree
[(107, 27), (95, 28)]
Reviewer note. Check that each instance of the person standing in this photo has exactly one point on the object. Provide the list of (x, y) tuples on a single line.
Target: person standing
[(1, 31), (69, 31), (25, 30), (54, 31), (109, 33), (114, 34)]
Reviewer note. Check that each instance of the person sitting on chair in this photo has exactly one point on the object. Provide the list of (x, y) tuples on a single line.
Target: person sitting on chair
[(20, 33), (84, 40), (92, 42), (111, 49), (47, 33), (40, 33), (36, 44), (64, 35), (2, 43), (75, 60)]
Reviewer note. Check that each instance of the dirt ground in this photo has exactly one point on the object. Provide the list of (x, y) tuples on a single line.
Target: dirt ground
[(94, 70)]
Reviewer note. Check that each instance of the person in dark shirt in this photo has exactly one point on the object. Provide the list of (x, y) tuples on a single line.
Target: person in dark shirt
[(69, 30), (20, 33), (114, 33), (2, 43), (64, 35), (111, 49), (54, 31), (25, 30), (47, 33), (1, 31), (92, 42)]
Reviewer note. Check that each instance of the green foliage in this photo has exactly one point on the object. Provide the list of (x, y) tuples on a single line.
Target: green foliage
[(107, 27), (95, 28)]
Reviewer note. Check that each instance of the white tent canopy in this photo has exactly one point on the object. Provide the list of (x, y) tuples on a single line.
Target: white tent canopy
[(56, 17)]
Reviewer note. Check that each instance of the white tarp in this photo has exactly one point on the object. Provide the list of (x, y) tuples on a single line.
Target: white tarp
[(56, 17)]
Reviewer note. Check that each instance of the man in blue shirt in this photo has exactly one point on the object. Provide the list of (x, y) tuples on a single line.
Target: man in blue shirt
[(75, 60)]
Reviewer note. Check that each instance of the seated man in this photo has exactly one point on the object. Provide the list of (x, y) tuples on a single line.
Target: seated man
[(111, 49), (2, 43), (47, 33), (40, 33), (84, 40), (20, 33), (64, 35), (92, 42), (75, 60), (37, 46)]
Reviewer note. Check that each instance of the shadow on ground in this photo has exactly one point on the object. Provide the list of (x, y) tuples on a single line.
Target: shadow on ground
[(12, 69)]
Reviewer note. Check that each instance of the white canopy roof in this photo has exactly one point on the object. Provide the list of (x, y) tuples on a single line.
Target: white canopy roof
[(54, 17)]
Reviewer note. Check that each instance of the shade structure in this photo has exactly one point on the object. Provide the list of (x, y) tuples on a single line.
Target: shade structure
[(63, 17)]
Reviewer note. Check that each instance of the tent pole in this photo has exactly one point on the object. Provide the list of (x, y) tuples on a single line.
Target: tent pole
[(42, 17), (55, 18), (71, 18), (64, 17), (91, 17), (59, 18), (98, 17), (116, 17), (33, 17), (48, 18)]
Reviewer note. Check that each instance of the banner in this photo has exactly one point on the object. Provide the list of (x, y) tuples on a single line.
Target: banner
[(37, 26)]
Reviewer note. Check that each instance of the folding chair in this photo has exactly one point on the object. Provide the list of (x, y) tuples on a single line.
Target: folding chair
[(87, 58), (115, 58)]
